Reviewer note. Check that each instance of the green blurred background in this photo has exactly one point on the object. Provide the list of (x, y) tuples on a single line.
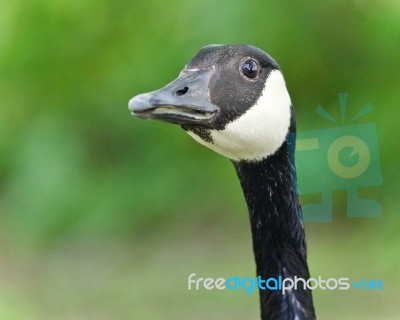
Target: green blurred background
[(104, 216)]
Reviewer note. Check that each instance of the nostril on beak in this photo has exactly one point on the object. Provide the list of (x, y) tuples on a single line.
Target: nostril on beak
[(183, 91)]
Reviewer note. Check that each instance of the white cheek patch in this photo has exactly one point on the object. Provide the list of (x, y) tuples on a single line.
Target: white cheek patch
[(260, 131)]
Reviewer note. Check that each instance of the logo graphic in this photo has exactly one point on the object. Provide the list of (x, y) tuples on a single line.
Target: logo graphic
[(344, 157)]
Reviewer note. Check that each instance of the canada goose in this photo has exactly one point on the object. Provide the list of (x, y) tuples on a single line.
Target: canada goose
[(233, 99)]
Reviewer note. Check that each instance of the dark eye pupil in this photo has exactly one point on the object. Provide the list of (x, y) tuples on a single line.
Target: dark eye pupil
[(250, 69)]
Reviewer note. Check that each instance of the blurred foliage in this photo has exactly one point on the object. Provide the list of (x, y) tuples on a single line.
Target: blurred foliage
[(95, 205)]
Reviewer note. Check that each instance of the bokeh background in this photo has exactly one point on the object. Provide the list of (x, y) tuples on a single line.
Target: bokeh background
[(103, 216)]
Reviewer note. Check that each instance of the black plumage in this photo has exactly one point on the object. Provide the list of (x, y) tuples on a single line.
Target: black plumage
[(278, 233)]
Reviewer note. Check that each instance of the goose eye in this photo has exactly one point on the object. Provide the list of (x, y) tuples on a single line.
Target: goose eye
[(250, 69)]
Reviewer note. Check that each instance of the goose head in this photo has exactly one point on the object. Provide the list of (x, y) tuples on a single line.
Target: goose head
[(230, 98)]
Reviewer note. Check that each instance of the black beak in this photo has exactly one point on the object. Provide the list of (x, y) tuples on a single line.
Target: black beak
[(183, 101)]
